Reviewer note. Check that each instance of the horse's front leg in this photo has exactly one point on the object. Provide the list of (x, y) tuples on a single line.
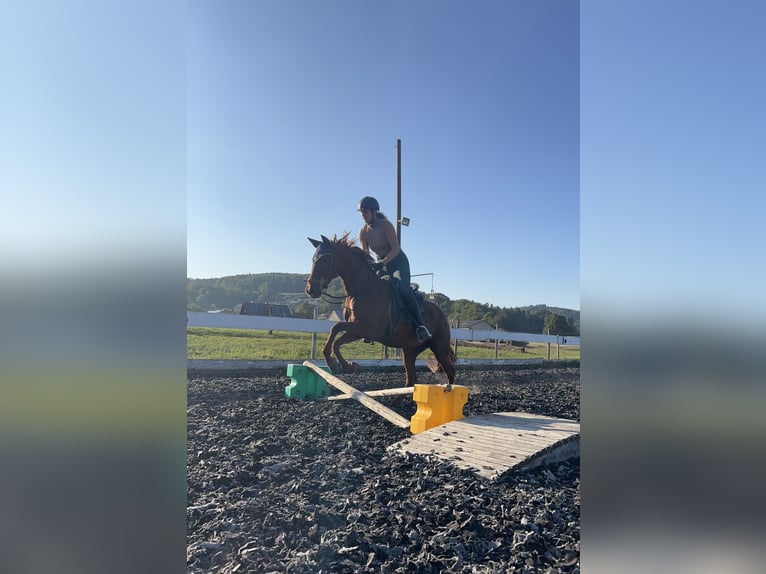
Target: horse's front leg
[(347, 337), (328, 346), (332, 345)]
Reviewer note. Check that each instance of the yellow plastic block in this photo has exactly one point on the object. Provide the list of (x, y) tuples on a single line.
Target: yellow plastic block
[(437, 406)]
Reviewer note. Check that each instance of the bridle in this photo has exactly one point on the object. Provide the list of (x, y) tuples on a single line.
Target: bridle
[(336, 298), (325, 295)]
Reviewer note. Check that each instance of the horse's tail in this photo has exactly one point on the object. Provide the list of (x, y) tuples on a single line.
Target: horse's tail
[(436, 367)]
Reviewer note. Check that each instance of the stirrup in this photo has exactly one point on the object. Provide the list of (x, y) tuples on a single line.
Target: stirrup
[(423, 333)]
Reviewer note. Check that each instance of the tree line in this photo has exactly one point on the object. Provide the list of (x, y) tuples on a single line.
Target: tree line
[(288, 288)]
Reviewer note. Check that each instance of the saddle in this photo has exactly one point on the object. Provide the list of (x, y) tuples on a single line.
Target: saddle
[(399, 309), (399, 306)]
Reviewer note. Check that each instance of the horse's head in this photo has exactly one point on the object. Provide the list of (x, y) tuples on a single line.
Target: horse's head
[(323, 267)]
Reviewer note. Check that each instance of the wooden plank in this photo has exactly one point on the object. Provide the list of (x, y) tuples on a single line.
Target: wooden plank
[(493, 449), (485, 451), (497, 436), (501, 443), (360, 396), (524, 420), (489, 434), (478, 464), (494, 458), (380, 393)]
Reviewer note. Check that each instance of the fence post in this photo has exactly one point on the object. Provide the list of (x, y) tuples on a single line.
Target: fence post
[(314, 339)]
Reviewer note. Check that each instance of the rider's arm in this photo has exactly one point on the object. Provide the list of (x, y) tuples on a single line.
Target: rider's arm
[(363, 241), (392, 241)]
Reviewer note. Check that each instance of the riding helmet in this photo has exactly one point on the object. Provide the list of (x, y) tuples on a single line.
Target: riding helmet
[(370, 203)]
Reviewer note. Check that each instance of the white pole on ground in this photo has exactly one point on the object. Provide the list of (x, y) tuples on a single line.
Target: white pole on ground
[(360, 396)]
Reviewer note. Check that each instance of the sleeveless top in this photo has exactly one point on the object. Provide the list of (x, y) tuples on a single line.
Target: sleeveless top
[(375, 236)]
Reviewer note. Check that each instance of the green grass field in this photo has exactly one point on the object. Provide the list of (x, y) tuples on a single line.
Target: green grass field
[(249, 345)]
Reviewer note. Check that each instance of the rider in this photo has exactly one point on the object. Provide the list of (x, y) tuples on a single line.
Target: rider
[(378, 235)]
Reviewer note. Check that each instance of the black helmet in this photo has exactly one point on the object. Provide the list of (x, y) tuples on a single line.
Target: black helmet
[(368, 202)]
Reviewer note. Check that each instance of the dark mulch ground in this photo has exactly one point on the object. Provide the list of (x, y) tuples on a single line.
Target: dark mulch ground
[(277, 485)]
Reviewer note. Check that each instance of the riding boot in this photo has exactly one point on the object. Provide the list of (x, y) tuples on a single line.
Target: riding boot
[(411, 302)]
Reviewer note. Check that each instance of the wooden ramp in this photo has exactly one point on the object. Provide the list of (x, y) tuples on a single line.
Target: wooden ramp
[(492, 444)]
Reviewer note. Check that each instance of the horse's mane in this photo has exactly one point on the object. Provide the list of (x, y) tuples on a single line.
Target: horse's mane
[(350, 242)]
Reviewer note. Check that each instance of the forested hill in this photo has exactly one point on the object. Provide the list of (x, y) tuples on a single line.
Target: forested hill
[(288, 288)]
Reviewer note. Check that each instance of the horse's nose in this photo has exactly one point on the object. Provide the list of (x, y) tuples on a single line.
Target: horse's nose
[(311, 290)]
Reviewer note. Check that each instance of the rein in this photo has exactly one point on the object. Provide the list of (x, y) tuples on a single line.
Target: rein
[(333, 298), (339, 299)]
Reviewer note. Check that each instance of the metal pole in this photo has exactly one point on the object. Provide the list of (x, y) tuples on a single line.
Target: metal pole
[(399, 191)]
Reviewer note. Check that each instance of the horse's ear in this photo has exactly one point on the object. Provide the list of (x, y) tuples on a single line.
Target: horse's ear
[(324, 239), (314, 242)]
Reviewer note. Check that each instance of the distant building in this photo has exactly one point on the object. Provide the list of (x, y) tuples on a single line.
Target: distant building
[(472, 325), (263, 309), (279, 310), (336, 315)]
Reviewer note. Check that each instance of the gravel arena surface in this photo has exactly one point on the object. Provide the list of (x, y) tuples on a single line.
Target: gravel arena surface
[(279, 485)]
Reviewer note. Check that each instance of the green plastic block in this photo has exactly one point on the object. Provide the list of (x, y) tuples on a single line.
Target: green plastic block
[(305, 383)]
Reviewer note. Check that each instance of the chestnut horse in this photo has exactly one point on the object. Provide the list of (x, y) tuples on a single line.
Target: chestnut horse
[(371, 311)]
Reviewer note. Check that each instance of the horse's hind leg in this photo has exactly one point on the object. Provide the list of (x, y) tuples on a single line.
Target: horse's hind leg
[(446, 359), (408, 359)]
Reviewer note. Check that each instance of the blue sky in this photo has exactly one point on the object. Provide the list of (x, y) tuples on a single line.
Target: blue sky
[(294, 110), (224, 138)]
